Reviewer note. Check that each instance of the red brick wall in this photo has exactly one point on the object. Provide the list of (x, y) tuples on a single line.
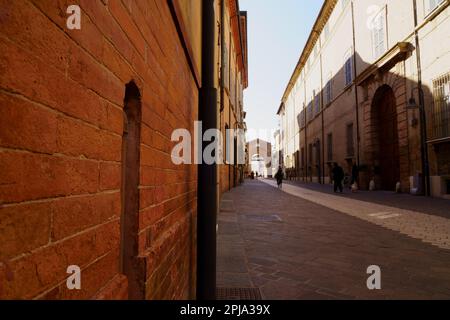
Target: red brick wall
[(61, 100)]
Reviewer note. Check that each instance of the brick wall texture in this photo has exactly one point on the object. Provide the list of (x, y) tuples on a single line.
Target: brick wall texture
[(61, 99)]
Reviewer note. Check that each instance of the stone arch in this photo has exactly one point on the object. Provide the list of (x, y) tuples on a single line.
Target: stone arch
[(385, 138), (381, 81)]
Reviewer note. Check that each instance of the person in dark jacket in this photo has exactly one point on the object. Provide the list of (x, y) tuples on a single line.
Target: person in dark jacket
[(338, 176), (279, 177)]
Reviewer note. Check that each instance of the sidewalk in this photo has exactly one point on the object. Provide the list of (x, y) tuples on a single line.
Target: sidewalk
[(415, 222), (291, 248), (432, 206)]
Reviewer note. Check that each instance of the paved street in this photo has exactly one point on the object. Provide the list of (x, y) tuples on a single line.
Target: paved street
[(301, 243)]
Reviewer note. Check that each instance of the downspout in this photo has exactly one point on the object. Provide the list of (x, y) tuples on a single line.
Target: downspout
[(208, 202), (229, 95), (322, 154), (423, 123), (306, 135), (358, 136)]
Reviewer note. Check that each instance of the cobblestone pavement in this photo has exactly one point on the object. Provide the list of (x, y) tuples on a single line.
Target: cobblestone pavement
[(432, 206), (292, 248), (426, 227)]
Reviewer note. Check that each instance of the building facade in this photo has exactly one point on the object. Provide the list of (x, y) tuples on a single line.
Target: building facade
[(86, 176), (260, 157), (276, 163), (233, 81), (372, 88)]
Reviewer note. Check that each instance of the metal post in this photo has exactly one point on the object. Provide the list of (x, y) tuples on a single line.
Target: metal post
[(207, 174)]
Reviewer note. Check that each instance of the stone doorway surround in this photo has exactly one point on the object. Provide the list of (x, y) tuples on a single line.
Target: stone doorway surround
[(389, 72)]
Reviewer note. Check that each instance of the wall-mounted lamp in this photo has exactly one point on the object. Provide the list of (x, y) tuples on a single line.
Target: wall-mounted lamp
[(412, 104)]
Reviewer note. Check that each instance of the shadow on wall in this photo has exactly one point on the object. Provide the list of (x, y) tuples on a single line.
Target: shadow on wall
[(382, 135)]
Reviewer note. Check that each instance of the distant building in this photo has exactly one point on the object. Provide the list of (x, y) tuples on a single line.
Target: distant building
[(260, 157), (357, 92), (276, 155), (233, 80)]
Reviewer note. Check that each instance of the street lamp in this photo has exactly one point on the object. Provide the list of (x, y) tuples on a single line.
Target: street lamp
[(412, 104)]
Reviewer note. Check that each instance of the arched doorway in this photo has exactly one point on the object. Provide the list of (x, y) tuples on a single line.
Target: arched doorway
[(384, 115), (257, 164)]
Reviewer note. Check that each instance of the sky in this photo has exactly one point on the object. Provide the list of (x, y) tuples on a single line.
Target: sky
[(277, 33)]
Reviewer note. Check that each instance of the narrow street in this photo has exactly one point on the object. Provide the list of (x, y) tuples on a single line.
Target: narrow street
[(142, 143), (320, 248)]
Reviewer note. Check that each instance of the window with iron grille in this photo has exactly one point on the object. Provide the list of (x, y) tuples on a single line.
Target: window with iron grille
[(330, 147), (350, 141), (440, 110)]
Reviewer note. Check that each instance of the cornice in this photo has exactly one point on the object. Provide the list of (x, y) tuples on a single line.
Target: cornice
[(322, 19)]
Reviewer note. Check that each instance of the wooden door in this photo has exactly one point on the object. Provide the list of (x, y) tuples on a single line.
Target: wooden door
[(388, 135)]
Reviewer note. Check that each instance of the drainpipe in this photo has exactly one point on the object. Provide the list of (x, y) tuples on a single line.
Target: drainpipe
[(423, 123), (322, 154), (355, 74), (208, 201), (306, 135)]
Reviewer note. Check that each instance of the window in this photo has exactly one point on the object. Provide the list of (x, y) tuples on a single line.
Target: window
[(225, 67), (317, 104), (430, 5), (303, 157), (440, 110), (226, 146), (328, 93), (348, 69), (302, 119), (379, 34), (233, 85), (317, 153), (350, 141), (344, 3), (310, 154), (297, 159), (326, 30), (330, 147), (309, 111)]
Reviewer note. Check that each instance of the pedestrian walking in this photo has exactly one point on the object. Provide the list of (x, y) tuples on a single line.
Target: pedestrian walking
[(279, 177), (338, 176)]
